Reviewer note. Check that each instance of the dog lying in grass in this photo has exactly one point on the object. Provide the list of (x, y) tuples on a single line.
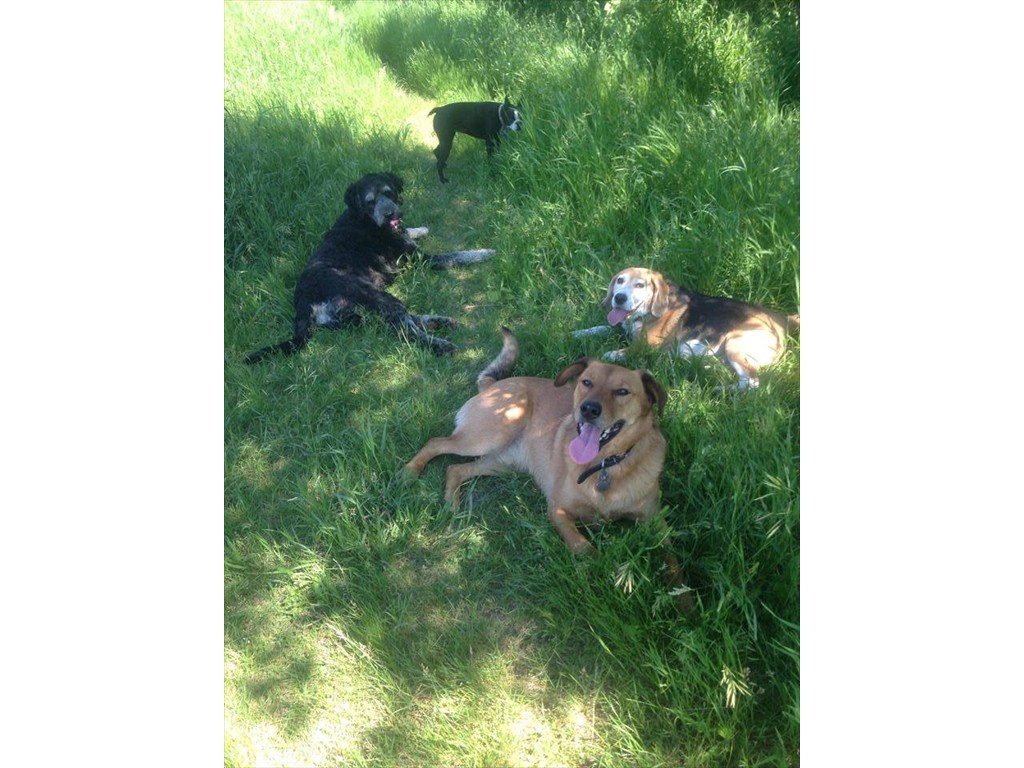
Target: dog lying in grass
[(744, 337), (360, 256), (594, 449)]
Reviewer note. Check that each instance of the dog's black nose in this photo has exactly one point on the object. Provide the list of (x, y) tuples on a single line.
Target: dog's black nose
[(620, 299), (590, 410)]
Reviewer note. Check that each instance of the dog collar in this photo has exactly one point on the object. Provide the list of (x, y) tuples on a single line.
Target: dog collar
[(603, 482)]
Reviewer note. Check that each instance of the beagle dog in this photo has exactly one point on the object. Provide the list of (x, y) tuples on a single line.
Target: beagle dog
[(745, 337)]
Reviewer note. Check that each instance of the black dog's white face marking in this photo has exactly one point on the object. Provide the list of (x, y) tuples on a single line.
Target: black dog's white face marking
[(382, 206), (631, 295), (509, 115)]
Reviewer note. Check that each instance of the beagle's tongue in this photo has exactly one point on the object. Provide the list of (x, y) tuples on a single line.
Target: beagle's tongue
[(616, 316), (584, 449)]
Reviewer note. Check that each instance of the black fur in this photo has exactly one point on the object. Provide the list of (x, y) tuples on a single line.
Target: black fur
[(360, 256), (485, 120)]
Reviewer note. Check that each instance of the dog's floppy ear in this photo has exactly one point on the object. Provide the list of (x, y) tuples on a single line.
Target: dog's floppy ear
[(352, 196), (655, 392), (611, 290), (574, 369), (396, 184), (395, 181), (660, 299)]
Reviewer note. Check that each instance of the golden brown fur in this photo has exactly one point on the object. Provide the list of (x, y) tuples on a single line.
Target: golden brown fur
[(528, 424)]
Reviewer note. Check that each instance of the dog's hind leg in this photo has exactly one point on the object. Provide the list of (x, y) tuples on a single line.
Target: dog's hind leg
[(457, 474), (458, 444), (441, 152)]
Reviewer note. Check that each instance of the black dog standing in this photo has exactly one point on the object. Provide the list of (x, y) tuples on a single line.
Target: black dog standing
[(360, 256), (487, 120)]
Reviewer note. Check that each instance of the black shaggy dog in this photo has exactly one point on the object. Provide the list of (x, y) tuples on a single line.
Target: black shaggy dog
[(360, 256)]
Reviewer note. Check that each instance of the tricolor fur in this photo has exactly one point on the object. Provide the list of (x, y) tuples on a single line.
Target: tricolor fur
[(745, 337)]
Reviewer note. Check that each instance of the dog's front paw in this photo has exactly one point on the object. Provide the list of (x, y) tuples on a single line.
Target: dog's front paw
[(583, 549), (442, 347), (615, 356), (433, 322)]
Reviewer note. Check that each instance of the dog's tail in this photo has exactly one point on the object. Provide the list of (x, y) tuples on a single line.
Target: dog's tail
[(458, 258), (303, 332), (502, 365), (431, 111), (792, 323)]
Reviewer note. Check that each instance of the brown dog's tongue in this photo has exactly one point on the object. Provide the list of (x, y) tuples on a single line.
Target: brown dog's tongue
[(616, 316), (584, 449)]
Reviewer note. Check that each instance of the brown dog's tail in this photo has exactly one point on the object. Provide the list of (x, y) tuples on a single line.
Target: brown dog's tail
[(792, 323), (502, 365)]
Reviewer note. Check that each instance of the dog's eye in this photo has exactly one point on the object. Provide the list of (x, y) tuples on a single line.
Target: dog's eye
[(641, 284), (620, 280), (587, 383), (622, 392)]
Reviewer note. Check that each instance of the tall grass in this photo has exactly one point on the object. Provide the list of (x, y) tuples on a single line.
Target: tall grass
[(365, 622)]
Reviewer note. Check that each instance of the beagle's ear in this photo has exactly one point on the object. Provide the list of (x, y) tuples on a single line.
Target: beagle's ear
[(574, 369), (608, 296), (655, 392), (660, 295)]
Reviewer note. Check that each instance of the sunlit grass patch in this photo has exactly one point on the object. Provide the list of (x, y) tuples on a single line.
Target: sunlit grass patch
[(368, 623)]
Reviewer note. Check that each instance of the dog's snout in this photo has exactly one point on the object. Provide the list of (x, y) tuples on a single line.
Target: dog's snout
[(590, 410), (385, 209), (620, 299)]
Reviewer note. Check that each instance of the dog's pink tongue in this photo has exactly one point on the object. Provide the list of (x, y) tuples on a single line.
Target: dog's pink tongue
[(584, 449), (616, 316)]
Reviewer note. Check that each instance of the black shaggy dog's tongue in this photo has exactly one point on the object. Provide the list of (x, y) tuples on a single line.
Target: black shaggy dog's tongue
[(616, 316), (584, 449), (395, 223)]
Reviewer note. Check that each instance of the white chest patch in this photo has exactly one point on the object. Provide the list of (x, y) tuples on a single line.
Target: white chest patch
[(633, 328), (322, 314)]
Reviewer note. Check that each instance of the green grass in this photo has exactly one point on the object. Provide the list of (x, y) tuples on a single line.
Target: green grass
[(365, 622)]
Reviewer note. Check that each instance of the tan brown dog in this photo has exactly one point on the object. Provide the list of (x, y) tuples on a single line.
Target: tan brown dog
[(594, 450), (744, 337)]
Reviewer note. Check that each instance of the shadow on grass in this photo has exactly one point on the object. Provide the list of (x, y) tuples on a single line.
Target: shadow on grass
[(306, 486), (320, 532)]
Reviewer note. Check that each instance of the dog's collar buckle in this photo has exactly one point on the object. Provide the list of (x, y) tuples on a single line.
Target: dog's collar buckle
[(603, 481)]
